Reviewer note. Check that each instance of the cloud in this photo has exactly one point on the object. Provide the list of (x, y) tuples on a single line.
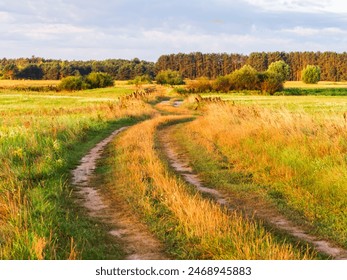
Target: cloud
[(88, 29), (305, 31), (6, 17), (306, 6)]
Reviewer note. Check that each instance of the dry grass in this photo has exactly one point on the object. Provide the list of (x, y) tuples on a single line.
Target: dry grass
[(27, 83), (195, 227), (321, 84), (298, 157)]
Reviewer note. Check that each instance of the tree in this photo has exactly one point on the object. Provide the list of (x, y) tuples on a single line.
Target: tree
[(279, 68), (272, 80), (10, 71), (245, 78), (30, 72), (311, 74)]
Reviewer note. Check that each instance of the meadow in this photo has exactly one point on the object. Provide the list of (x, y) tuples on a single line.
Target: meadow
[(285, 153), (41, 139)]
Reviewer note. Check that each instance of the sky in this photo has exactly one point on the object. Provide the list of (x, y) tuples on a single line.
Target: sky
[(102, 29)]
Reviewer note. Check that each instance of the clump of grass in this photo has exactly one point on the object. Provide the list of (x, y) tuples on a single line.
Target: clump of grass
[(190, 226), (297, 160)]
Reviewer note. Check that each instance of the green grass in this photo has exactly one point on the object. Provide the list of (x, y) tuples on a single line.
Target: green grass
[(41, 140), (314, 91), (326, 105)]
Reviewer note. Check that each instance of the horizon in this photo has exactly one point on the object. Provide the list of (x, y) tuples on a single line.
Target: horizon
[(167, 54)]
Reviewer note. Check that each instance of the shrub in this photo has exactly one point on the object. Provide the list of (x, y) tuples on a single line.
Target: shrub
[(99, 80), (169, 77), (245, 78), (222, 83), (311, 74), (271, 82), (93, 80), (200, 85), (139, 80), (71, 83)]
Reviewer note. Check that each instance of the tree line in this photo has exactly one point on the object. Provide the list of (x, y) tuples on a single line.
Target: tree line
[(36, 68), (333, 65)]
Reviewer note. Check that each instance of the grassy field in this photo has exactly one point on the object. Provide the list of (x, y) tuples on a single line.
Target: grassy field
[(27, 83), (321, 84), (285, 151), (290, 151), (41, 139), (327, 105)]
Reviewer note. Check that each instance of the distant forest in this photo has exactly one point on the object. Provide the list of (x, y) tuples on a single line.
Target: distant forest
[(36, 68), (333, 65)]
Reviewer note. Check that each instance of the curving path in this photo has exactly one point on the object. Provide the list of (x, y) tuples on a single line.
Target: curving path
[(138, 242)]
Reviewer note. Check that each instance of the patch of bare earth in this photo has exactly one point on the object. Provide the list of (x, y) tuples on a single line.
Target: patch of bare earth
[(138, 242), (180, 163)]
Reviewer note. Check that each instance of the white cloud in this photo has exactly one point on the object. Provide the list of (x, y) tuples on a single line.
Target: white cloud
[(6, 17), (305, 31), (308, 6), (87, 29)]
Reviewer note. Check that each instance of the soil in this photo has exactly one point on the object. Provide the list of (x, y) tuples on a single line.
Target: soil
[(180, 163), (138, 242)]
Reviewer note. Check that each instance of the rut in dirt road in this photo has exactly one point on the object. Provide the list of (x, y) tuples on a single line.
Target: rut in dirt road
[(180, 164), (138, 242)]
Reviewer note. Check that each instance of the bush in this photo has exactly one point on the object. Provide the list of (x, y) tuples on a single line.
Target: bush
[(271, 82), (139, 80), (99, 80), (222, 84), (245, 78), (311, 74), (200, 85), (93, 80), (169, 77), (71, 83)]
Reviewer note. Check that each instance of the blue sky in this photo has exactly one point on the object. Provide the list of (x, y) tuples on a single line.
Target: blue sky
[(101, 29)]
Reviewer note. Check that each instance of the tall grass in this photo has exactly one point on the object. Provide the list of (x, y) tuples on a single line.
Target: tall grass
[(295, 159), (190, 226), (38, 147)]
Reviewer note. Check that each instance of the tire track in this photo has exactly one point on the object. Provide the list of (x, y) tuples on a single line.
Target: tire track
[(180, 163), (138, 242)]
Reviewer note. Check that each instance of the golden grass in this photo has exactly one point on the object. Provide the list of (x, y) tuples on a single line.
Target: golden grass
[(298, 156), (27, 83), (321, 84), (196, 227)]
